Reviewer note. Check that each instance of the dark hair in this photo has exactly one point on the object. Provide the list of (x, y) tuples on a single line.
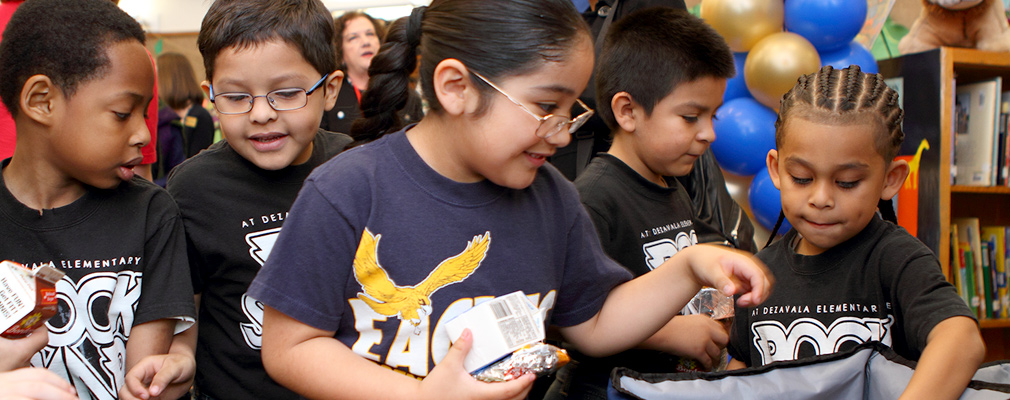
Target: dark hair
[(304, 24), (177, 85), (845, 97), (340, 23), (495, 39), (66, 41), (649, 52)]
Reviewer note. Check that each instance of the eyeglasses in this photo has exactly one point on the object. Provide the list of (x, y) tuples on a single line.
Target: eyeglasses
[(550, 124), (280, 99)]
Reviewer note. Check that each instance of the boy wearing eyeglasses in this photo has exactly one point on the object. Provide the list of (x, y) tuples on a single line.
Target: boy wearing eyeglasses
[(271, 73), (659, 104)]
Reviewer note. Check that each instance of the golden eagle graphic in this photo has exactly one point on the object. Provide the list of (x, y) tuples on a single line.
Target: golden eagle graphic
[(411, 302)]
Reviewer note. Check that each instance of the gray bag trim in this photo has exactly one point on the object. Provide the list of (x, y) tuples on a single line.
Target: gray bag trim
[(869, 371)]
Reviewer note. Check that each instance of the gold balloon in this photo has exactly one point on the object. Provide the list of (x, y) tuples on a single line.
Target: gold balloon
[(743, 23), (774, 64)]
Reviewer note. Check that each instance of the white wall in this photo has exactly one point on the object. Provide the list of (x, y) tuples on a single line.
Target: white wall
[(174, 16)]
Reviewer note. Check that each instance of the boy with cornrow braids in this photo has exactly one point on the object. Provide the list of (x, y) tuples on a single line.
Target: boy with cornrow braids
[(844, 275)]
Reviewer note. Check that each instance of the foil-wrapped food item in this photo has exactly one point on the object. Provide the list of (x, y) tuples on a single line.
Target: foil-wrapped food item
[(537, 358), (710, 301)]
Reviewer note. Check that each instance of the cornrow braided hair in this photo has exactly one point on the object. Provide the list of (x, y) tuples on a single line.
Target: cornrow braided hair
[(843, 97)]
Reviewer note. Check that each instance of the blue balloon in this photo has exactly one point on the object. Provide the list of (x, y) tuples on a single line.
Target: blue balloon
[(744, 132), (766, 202), (854, 53), (827, 24), (735, 86)]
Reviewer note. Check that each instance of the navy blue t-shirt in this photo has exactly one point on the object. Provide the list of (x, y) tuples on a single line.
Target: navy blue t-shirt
[(383, 250)]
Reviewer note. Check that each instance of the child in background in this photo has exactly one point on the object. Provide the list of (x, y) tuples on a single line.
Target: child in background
[(844, 275), (660, 78), (390, 240), (77, 79), (234, 196), (184, 126)]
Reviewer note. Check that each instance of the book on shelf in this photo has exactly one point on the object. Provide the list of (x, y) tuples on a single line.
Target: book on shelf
[(997, 237), (961, 276), (968, 274), (986, 292), (974, 151), (968, 233), (956, 261), (1002, 145)]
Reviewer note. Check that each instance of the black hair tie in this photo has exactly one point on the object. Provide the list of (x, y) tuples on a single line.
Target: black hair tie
[(414, 26)]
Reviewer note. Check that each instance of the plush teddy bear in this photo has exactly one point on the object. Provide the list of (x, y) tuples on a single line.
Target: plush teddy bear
[(980, 24)]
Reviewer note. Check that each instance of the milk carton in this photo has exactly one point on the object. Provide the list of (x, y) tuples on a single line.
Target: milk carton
[(27, 298)]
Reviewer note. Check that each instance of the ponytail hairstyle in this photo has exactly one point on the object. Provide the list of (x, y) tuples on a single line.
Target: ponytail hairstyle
[(495, 39), (845, 97)]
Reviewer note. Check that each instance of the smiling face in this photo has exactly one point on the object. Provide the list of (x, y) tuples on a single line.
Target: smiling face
[(101, 128), (503, 146), (678, 131), (268, 138), (359, 44), (831, 178)]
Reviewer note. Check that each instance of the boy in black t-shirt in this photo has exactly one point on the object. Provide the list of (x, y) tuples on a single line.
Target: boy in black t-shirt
[(844, 275), (660, 126), (77, 79), (235, 195)]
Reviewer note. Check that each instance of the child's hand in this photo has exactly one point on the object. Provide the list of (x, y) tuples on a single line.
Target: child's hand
[(450, 380), (732, 272), (35, 384), (162, 376), (697, 336), (15, 353)]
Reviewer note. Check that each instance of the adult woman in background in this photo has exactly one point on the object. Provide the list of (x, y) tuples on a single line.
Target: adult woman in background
[(358, 39)]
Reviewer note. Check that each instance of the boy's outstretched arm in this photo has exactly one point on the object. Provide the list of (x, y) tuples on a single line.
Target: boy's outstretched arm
[(638, 308), (160, 365), (312, 363), (954, 350), (698, 337)]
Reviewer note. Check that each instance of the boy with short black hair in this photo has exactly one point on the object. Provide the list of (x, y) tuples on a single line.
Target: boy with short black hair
[(845, 276), (235, 195), (77, 79), (659, 80)]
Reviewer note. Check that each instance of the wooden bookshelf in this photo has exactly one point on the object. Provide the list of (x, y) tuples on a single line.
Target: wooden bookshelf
[(980, 189), (927, 99)]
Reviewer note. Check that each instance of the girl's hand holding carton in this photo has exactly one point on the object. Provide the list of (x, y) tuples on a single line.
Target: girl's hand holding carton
[(450, 380)]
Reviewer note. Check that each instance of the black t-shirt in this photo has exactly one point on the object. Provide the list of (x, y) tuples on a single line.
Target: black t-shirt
[(640, 225), (344, 111), (198, 133), (124, 257), (233, 211), (881, 285)]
